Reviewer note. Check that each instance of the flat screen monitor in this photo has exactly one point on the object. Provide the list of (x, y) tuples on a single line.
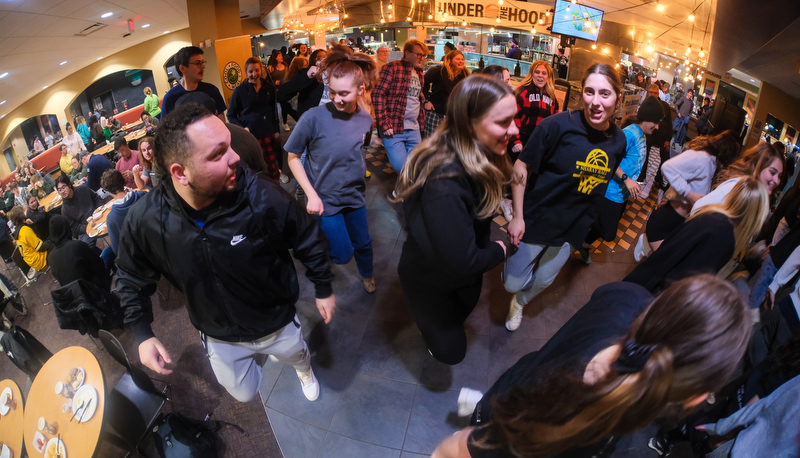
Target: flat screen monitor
[(576, 20)]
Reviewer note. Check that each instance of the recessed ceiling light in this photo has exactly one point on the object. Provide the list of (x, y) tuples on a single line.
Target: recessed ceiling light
[(4, 75), (45, 87), (63, 63), (146, 26), (2, 102), (105, 15)]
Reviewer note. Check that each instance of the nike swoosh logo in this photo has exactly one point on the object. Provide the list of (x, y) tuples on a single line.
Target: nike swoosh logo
[(237, 240)]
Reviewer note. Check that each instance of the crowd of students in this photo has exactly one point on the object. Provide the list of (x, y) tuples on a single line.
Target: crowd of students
[(655, 347)]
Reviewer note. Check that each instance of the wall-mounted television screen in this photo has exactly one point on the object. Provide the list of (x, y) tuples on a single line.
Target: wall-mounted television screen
[(575, 20)]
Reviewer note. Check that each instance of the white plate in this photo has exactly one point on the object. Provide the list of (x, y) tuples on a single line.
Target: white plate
[(6, 452), (4, 409), (36, 438), (82, 396), (50, 448)]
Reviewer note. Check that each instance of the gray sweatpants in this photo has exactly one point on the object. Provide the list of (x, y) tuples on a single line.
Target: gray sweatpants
[(533, 268), (235, 365)]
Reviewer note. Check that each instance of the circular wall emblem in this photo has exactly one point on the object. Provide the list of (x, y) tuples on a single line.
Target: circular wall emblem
[(232, 75)]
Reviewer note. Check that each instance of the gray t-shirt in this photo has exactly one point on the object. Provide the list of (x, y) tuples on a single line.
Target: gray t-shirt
[(411, 121), (335, 162)]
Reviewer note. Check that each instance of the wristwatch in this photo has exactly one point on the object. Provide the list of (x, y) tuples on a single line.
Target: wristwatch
[(624, 177)]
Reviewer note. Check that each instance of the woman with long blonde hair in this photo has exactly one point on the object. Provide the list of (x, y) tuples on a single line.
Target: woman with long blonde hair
[(708, 239), (536, 100), (439, 83), (450, 186)]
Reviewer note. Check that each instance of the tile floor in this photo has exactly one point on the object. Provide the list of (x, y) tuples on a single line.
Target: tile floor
[(382, 394)]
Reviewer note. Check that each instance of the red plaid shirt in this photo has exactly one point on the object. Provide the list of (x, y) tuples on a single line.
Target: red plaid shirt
[(533, 105), (391, 94)]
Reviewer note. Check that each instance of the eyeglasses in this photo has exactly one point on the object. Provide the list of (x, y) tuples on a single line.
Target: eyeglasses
[(199, 63), (419, 55)]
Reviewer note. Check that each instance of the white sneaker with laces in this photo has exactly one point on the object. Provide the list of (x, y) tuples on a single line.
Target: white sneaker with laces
[(309, 383), (514, 317), (642, 249), (467, 400), (508, 211)]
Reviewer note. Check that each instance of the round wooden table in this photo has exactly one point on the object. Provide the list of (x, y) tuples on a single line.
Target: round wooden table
[(11, 423), (80, 439), (50, 201), (96, 226)]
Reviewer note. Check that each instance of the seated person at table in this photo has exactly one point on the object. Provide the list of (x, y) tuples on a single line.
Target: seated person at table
[(65, 163), (95, 166), (145, 174), (40, 188), (39, 218), (79, 202), (78, 175), (20, 194), (33, 250), (149, 123), (72, 260), (128, 159), (114, 184), (8, 197)]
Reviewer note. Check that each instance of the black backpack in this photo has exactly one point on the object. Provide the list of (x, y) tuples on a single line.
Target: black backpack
[(177, 436)]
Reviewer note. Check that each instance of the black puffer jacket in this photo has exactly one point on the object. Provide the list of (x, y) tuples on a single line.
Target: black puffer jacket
[(236, 273)]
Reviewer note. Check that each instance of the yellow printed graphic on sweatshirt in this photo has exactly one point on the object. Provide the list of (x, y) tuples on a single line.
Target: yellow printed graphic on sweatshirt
[(593, 171)]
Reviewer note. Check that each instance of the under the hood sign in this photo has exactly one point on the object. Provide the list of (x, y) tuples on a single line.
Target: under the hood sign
[(490, 10)]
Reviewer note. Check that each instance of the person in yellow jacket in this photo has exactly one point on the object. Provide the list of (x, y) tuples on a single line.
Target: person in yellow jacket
[(33, 250)]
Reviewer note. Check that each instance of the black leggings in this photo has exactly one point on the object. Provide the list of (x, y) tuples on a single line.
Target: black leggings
[(438, 308), (286, 110), (606, 221)]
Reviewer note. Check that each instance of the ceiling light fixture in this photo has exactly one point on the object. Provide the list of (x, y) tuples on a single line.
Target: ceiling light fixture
[(146, 26), (2, 102), (105, 15), (45, 87), (166, 32), (691, 18), (63, 63), (3, 75), (660, 7), (594, 46)]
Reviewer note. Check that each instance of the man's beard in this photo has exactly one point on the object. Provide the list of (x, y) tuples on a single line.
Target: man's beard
[(226, 190)]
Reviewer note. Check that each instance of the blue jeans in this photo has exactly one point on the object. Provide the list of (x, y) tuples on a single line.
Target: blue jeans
[(399, 146), (761, 281), (348, 235)]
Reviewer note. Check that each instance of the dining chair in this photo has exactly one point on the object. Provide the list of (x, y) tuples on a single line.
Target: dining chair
[(134, 405)]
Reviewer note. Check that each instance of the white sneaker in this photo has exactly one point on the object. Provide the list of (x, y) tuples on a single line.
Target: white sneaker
[(508, 211), (642, 249), (467, 400), (309, 383), (514, 317)]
